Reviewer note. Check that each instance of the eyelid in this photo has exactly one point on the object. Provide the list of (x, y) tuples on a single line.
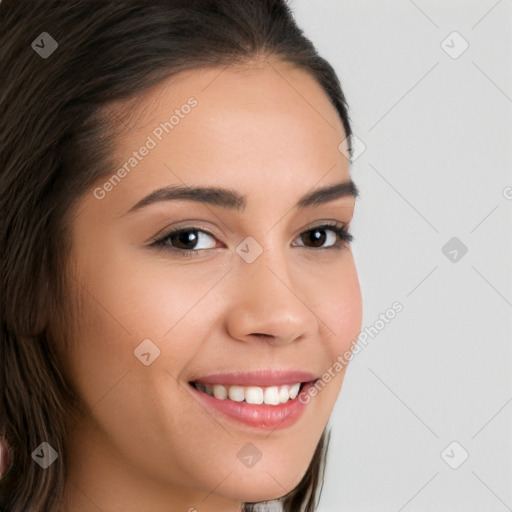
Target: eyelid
[(190, 225), (342, 229), (332, 225)]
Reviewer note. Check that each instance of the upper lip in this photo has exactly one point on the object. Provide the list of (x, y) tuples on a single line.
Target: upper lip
[(258, 378)]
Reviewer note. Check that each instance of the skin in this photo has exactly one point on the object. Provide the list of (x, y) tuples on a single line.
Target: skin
[(268, 131)]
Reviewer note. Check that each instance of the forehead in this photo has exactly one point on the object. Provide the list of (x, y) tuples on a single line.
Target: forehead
[(261, 88), (255, 127)]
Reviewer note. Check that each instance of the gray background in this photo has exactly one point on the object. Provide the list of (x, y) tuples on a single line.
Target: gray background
[(437, 160)]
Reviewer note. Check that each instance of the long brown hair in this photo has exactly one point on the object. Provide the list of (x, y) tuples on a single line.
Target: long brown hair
[(55, 143)]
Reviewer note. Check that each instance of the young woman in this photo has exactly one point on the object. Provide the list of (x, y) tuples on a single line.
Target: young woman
[(177, 280)]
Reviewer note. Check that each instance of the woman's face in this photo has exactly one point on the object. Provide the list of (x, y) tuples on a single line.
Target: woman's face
[(258, 290)]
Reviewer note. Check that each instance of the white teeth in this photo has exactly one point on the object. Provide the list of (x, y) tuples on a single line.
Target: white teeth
[(284, 396), (294, 391), (254, 395), (236, 393), (220, 392), (272, 395)]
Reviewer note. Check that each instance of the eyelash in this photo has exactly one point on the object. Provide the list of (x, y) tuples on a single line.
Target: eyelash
[(338, 228)]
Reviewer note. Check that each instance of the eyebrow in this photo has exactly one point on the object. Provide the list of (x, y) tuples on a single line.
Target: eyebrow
[(231, 199)]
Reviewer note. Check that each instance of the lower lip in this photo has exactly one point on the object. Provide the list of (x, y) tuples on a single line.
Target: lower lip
[(266, 417)]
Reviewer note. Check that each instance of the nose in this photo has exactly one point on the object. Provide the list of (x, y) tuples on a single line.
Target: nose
[(269, 302)]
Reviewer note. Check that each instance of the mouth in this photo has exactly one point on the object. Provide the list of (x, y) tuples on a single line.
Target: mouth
[(254, 395), (259, 407)]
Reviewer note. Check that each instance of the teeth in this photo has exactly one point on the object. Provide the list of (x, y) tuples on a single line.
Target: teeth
[(272, 395), (236, 393), (220, 392), (283, 395), (254, 395), (294, 391)]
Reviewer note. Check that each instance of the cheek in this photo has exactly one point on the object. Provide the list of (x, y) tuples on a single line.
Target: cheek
[(340, 308), (141, 296), (128, 300)]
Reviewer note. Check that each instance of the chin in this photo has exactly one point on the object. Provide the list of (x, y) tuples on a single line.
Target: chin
[(253, 494), (263, 485)]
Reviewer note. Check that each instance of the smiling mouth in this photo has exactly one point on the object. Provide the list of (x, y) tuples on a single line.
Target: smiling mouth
[(257, 395)]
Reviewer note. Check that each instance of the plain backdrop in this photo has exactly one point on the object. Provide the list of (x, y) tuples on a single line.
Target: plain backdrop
[(424, 418)]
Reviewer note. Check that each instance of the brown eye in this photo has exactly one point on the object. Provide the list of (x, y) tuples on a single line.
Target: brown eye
[(185, 240), (318, 236)]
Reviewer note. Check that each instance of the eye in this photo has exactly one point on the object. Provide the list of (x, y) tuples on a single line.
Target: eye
[(317, 237), (190, 241), (186, 240)]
